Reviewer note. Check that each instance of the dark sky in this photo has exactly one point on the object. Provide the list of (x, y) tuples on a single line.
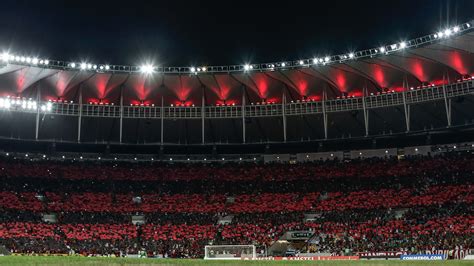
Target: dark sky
[(188, 33)]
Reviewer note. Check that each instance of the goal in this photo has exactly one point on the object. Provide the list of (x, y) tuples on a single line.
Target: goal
[(230, 252)]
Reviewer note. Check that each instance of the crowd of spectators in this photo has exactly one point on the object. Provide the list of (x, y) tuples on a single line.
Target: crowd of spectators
[(362, 205)]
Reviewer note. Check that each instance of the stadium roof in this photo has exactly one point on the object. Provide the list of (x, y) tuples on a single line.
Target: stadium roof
[(422, 61)]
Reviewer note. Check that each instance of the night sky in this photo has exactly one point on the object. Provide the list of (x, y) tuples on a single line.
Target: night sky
[(180, 33)]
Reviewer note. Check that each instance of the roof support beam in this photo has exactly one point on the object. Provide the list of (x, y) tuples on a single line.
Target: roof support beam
[(447, 103), (121, 115), (406, 107), (325, 115), (366, 112), (162, 117), (38, 99), (243, 114), (203, 117), (79, 119), (283, 107)]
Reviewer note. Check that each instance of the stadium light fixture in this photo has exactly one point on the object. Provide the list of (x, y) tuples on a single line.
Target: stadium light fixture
[(326, 59), (147, 69), (447, 32), (193, 69), (456, 29), (283, 64), (73, 65), (351, 55), (107, 67), (301, 62), (83, 66), (5, 57), (403, 45)]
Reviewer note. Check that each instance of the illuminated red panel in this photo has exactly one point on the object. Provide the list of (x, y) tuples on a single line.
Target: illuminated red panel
[(262, 83), (230, 88), (221, 91), (247, 82), (189, 85), (20, 79), (341, 81), (345, 78), (458, 63), (356, 93), (63, 79), (379, 75), (293, 79), (139, 87), (100, 83), (418, 70)]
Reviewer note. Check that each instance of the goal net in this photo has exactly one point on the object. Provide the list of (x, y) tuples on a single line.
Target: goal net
[(230, 252)]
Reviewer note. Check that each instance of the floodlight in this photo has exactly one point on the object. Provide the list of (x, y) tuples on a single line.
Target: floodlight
[(456, 29), (403, 45), (246, 67), (83, 66), (351, 55), (147, 69), (193, 69), (5, 56)]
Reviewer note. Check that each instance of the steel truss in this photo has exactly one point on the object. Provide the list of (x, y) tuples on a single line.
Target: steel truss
[(364, 54)]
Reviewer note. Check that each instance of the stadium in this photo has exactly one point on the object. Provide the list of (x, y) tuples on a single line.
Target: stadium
[(362, 157)]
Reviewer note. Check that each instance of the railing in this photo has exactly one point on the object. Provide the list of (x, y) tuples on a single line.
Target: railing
[(415, 96)]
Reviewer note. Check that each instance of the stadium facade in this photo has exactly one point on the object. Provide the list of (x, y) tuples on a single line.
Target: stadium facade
[(409, 88)]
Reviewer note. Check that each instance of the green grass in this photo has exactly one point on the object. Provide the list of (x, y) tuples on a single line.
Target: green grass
[(28, 260)]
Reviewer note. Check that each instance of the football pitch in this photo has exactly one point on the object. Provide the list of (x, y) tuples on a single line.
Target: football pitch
[(30, 260)]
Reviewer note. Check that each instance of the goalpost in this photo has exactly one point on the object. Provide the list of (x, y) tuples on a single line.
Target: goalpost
[(230, 252)]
